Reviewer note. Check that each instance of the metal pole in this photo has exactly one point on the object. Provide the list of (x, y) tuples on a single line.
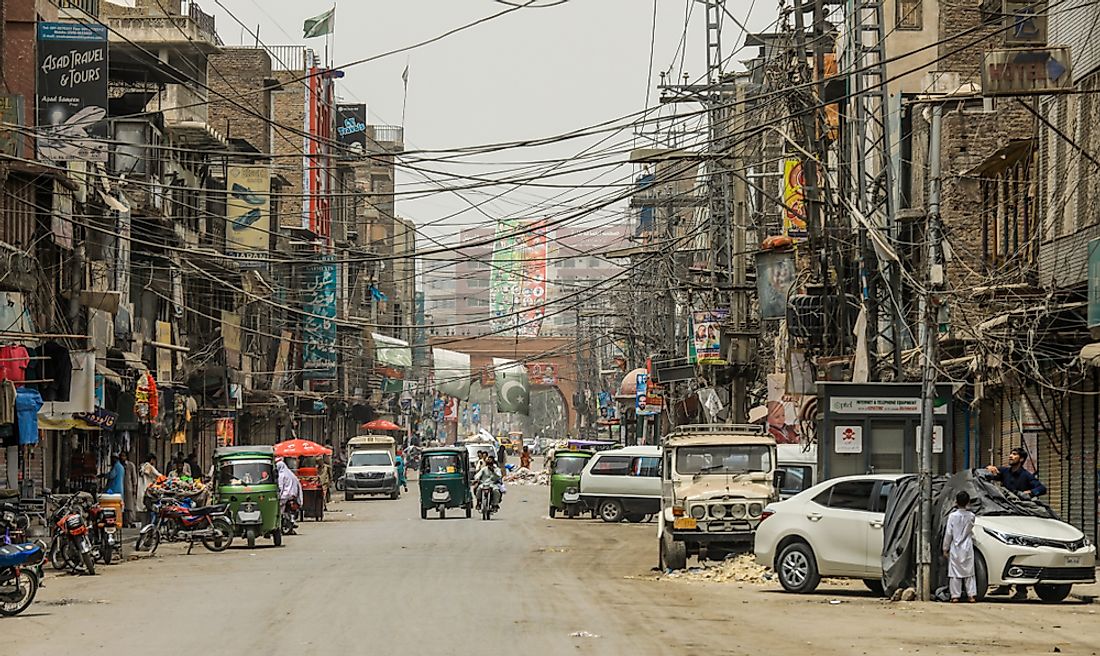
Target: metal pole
[(928, 391)]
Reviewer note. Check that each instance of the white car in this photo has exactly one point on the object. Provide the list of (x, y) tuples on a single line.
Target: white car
[(834, 529)]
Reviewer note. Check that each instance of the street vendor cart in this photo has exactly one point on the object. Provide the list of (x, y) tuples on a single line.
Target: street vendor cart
[(306, 459)]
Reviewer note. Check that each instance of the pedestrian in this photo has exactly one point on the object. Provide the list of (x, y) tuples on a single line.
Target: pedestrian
[(149, 475), (130, 485), (180, 469), (958, 549), (193, 464), (116, 478), (525, 458), (402, 476), (290, 491)]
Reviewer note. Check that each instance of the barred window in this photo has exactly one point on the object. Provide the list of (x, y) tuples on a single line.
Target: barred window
[(910, 14)]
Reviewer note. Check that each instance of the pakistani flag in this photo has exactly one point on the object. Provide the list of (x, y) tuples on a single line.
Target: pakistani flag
[(319, 25), (513, 390)]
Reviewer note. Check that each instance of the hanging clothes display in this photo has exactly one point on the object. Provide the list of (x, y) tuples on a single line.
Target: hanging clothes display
[(14, 359), (146, 401), (27, 404)]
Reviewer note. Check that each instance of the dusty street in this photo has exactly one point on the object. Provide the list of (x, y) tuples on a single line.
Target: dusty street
[(376, 576)]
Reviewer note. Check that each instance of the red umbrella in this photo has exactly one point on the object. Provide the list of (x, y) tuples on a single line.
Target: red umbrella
[(381, 425), (300, 448)]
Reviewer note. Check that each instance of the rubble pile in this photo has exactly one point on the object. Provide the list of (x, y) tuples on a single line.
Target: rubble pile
[(524, 476), (739, 569)]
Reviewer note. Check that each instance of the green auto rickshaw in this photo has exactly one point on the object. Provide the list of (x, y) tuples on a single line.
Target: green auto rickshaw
[(444, 481), (565, 482), (247, 481)]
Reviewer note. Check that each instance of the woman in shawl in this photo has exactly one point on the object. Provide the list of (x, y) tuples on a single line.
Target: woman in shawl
[(402, 479)]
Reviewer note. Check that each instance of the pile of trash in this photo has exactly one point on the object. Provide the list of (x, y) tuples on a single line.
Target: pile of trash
[(737, 569), (524, 476)]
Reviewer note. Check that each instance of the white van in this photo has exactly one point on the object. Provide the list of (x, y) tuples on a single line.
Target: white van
[(623, 483), (800, 464), (371, 468)]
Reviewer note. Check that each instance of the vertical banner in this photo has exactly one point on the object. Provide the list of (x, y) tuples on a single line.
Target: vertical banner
[(319, 327), (248, 212), (707, 332), (72, 92), (504, 277), (351, 127), (533, 281), (794, 214), (775, 273)]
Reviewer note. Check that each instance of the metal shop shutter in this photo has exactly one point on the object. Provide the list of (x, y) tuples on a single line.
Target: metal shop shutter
[(1079, 462)]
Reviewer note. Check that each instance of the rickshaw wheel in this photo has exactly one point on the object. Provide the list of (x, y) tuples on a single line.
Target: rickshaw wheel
[(277, 537), (250, 535), (443, 513), (553, 512), (469, 512), (423, 513)]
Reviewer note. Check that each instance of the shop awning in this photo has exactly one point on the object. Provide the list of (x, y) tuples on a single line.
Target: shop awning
[(110, 375)]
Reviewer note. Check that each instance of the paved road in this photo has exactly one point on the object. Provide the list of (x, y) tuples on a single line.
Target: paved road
[(376, 577)]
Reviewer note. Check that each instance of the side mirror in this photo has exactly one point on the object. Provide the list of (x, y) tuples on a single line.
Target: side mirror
[(779, 479)]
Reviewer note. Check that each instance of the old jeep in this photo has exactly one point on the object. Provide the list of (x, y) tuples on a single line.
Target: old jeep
[(716, 481)]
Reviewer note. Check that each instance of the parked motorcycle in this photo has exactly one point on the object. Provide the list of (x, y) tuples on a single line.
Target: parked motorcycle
[(14, 529), (18, 582), (70, 545), (104, 531), (177, 522), (289, 517)]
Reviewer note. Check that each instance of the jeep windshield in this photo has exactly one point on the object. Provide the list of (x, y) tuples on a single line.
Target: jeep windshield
[(724, 460)]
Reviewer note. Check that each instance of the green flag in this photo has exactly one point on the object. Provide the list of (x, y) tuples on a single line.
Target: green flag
[(319, 25)]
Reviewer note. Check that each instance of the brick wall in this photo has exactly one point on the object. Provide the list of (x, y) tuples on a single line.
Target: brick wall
[(288, 145), (963, 54), (240, 74)]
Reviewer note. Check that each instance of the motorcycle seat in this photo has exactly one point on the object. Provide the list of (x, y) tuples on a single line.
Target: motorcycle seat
[(209, 510), (18, 554)]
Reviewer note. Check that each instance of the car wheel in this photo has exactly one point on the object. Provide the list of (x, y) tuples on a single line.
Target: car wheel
[(348, 496), (798, 569), (875, 586), (611, 511), (673, 554), (981, 575), (1053, 593)]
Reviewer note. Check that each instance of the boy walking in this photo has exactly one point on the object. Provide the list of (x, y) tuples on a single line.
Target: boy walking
[(958, 549)]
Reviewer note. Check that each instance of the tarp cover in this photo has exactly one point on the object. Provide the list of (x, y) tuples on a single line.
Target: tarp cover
[(899, 550)]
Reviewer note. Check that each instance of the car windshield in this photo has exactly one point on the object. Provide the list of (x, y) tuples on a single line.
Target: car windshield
[(740, 459), (369, 459), (246, 472), (441, 463), (569, 466)]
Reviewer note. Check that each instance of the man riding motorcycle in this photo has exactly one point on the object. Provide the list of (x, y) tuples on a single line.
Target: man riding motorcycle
[(489, 474)]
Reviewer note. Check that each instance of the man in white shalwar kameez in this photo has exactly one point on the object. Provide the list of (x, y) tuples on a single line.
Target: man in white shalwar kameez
[(958, 548)]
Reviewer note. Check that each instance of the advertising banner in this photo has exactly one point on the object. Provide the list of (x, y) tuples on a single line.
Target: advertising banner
[(248, 211), (775, 273), (351, 127), (504, 278), (707, 331), (542, 373), (452, 373), (72, 92), (319, 327), (513, 391), (533, 282), (794, 214)]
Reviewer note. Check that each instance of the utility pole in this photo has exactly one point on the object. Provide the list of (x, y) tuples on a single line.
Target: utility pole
[(928, 390)]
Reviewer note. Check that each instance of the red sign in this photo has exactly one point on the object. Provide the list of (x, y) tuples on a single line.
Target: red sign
[(542, 373)]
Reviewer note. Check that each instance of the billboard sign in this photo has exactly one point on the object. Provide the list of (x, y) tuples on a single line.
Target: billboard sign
[(248, 211), (1026, 71), (351, 127), (504, 278), (319, 324), (794, 214), (707, 335), (72, 92), (533, 281), (542, 373)]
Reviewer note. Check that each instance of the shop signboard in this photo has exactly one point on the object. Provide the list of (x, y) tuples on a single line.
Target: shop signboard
[(319, 324), (72, 92), (351, 127), (248, 213), (1026, 71)]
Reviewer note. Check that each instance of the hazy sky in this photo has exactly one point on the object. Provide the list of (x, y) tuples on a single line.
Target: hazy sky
[(530, 74)]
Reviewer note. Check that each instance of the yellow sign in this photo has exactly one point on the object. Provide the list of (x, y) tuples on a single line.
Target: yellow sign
[(248, 211), (794, 214), (684, 523)]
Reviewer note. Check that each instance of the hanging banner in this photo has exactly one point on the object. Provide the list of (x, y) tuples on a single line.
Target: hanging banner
[(319, 326), (513, 391), (775, 273), (504, 278), (542, 373), (392, 351), (533, 282), (794, 214), (248, 212), (452, 373), (351, 127), (72, 92), (707, 329), (225, 432)]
